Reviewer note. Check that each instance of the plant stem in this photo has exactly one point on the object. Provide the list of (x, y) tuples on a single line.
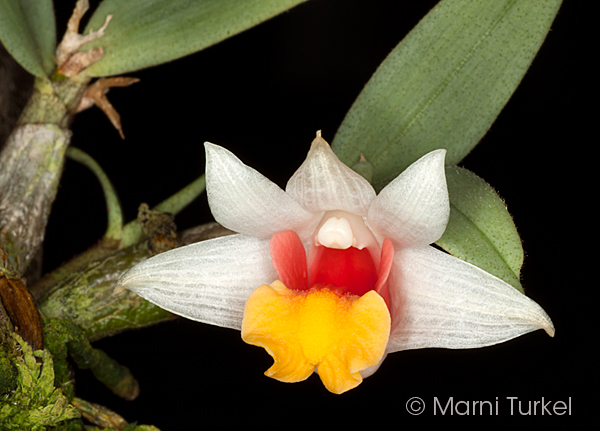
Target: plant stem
[(115, 215)]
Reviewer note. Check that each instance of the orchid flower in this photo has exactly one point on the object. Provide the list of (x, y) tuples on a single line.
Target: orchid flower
[(330, 277)]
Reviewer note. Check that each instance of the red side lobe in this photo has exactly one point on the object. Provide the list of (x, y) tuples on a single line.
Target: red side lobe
[(385, 266), (289, 259)]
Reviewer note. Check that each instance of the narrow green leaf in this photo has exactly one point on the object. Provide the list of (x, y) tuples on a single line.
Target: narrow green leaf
[(480, 229), (144, 33), (444, 84), (28, 31)]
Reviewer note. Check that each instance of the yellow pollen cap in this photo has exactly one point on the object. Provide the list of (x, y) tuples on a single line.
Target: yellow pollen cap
[(339, 335)]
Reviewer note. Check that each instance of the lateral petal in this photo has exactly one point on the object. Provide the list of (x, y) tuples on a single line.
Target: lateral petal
[(245, 201), (208, 281), (441, 301), (413, 209), (324, 183), (289, 259)]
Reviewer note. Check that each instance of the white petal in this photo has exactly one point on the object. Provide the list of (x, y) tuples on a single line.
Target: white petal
[(208, 281), (441, 301), (324, 183), (243, 200), (413, 209)]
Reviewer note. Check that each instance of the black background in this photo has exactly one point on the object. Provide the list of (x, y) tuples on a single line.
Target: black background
[(263, 94)]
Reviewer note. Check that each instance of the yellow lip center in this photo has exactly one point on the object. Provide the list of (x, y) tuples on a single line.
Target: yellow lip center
[(337, 334)]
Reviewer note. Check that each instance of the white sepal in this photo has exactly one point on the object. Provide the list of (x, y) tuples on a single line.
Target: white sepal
[(324, 183), (441, 301), (413, 209), (245, 201), (208, 281)]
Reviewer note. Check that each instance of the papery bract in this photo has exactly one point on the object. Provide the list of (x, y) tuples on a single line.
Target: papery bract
[(329, 224)]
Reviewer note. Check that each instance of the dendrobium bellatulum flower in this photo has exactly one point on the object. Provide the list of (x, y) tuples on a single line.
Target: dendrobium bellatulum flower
[(327, 276)]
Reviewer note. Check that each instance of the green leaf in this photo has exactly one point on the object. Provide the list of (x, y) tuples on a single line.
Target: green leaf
[(480, 230), (144, 33), (444, 84), (28, 31)]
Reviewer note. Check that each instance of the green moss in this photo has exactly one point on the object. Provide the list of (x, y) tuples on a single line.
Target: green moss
[(69, 425), (8, 374), (56, 336), (36, 403), (64, 337)]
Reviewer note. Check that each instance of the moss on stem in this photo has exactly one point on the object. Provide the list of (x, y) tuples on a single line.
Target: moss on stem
[(64, 337)]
